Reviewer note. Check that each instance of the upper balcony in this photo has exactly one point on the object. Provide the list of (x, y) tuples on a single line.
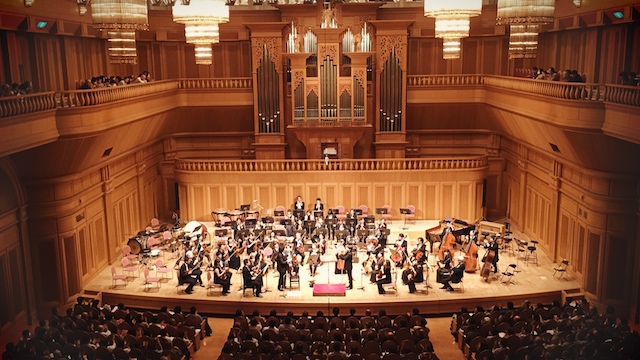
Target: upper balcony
[(33, 120)]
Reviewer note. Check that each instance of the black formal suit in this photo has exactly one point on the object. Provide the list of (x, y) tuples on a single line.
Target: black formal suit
[(186, 277), (251, 282), (385, 279), (348, 266), (223, 277), (298, 205), (282, 267), (318, 207), (416, 277)]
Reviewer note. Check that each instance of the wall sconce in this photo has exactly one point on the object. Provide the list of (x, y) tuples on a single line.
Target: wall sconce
[(28, 3), (577, 3)]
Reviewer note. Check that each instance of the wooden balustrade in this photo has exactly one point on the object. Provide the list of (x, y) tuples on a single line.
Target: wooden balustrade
[(554, 89), (91, 97), (19, 105), (223, 83), (623, 95), (445, 80), (26, 104), (333, 165)]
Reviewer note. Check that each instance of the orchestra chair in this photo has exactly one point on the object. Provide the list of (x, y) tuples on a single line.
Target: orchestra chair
[(365, 210), (562, 269), (129, 268), (393, 284), (154, 246), (509, 274), (126, 252), (155, 224), (411, 216), (211, 284), (387, 216), (115, 277), (532, 256), (294, 279), (341, 215), (162, 268), (245, 287), (148, 280), (167, 236), (182, 286)]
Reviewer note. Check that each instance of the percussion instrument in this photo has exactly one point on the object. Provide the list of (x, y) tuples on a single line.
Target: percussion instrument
[(251, 213), (217, 214), (235, 215), (135, 246)]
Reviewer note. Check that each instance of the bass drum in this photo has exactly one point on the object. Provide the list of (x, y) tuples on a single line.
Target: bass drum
[(135, 246)]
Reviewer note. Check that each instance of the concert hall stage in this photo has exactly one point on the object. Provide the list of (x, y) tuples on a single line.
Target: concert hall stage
[(534, 283)]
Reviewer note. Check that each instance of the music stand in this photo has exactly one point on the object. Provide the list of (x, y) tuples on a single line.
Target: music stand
[(405, 212), (250, 223), (318, 214), (220, 232), (268, 220), (370, 219), (301, 232), (298, 214), (341, 234), (334, 211), (312, 259), (278, 213), (245, 207), (330, 221), (381, 211), (286, 222), (280, 232), (357, 211), (362, 232), (322, 231), (243, 233), (350, 222)]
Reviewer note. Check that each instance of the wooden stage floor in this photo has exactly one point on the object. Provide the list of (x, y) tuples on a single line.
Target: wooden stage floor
[(534, 283)]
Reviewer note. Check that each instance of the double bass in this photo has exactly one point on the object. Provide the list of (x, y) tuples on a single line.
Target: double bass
[(471, 256), (448, 243), (486, 268)]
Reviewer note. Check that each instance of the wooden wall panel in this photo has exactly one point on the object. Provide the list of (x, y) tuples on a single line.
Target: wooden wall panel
[(330, 192), (447, 198), (314, 191), (230, 196), (397, 197), (281, 196), (71, 265), (414, 196), (347, 194), (380, 195), (215, 196), (617, 275), (5, 289), (431, 201), (465, 199), (363, 196), (296, 190), (246, 194), (198, 200), (264, 196), (594, 257), (16, 282)]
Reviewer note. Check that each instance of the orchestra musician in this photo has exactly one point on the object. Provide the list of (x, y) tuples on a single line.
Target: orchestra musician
[(282, 267), (412, 274), (252, 279), (445, 262), (492, 245), (420, 251), (313, 265), (238, 227), (384, 276), (340, 249), (362, 226), (299, 204), (186, 276), (318, 206), (382, 237), (377, 266), (331, 228), (400, 256), (222, 275), (373, 246), (457, 272)]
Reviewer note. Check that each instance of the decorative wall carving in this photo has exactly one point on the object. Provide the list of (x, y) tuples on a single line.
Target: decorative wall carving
[(359, 75), (387, 44), (331, 50), (298, 75), (312, 88), (272, 45), (343, 88)]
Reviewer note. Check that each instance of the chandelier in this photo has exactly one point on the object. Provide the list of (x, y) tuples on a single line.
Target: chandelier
[(452, 22), (201, 19), (524, 18), (121, 19)]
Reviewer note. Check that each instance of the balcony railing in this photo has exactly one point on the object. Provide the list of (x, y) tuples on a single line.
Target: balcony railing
[(20, 105), (26, 104), (335, 165)]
